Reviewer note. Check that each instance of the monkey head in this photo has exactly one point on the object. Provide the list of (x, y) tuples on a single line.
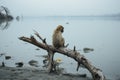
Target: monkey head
[(60, 28)]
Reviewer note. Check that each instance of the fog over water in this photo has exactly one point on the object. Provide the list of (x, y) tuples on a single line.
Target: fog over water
[(61, 7)]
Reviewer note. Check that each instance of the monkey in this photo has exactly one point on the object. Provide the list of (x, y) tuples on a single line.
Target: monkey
[(57, 38)]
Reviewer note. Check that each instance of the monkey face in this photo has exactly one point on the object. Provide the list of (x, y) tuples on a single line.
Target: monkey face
[(60, 28)]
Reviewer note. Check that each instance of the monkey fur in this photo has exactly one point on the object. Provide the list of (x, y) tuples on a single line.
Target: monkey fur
[(57, 39)]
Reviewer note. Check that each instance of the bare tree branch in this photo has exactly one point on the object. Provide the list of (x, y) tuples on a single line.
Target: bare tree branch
[(96, 73)]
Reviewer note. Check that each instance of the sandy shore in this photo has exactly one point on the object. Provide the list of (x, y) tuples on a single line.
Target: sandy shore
[(15, 73)]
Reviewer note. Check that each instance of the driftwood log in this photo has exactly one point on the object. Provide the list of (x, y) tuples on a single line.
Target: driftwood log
[(81, 60)]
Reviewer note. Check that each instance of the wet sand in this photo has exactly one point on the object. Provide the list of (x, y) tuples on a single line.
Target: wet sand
[(15, 73)]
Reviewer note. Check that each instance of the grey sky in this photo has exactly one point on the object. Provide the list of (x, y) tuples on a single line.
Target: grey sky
[(62, 7)]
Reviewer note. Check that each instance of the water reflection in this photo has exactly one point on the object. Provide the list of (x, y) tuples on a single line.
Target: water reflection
[(4, 24), (17, 18)]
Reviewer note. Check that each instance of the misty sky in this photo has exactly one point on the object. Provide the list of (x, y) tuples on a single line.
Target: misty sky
[(62, 7)]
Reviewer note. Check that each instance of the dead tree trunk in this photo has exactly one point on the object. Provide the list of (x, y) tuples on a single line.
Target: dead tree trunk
[(96, 73)]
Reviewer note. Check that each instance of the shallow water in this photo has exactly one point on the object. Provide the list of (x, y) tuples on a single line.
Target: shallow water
[(101, 34)]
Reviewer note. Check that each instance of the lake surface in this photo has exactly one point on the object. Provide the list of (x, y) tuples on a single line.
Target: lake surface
[(100, 33)]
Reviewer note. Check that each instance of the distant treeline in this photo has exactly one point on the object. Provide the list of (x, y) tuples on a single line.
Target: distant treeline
[(5, 13)]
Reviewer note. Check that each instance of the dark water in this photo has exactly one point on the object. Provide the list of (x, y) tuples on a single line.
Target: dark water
[(100, 33)]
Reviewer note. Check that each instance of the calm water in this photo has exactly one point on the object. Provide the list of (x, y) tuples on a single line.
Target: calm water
[(102, 34)]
